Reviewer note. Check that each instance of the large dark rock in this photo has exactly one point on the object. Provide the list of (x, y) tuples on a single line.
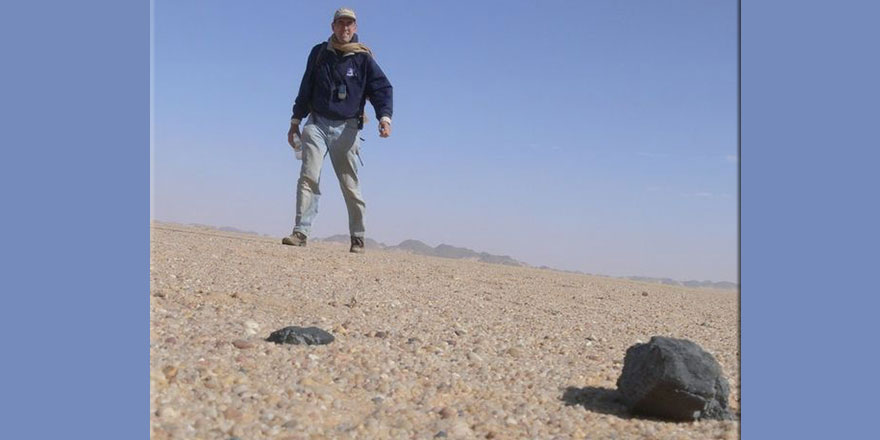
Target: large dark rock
[(673, 379), (300, 335)]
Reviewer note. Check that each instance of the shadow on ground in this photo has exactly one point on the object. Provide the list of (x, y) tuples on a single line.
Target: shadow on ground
[(596, 399), (606, 401)]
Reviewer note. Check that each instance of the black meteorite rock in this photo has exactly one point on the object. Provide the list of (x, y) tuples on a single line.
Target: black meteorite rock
[(673, 379), (300, 335)]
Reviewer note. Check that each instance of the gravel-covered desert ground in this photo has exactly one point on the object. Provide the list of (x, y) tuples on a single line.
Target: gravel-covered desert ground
[(425, 347)]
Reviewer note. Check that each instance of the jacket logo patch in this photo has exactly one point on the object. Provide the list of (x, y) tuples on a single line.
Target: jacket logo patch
[(349, 72)]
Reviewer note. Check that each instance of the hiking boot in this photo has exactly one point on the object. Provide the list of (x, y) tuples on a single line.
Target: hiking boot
[(357, 245), (295, 239)]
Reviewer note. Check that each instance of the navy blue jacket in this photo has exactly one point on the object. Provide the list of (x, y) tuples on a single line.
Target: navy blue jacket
[(362, 77)]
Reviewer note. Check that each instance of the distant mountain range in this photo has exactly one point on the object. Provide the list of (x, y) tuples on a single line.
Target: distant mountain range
[(447, 251), (443, 250), (691, 283), (369, 243), (667, 281), (225, 229)]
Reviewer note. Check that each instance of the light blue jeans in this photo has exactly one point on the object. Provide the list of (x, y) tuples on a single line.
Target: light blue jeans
[(321, 136)]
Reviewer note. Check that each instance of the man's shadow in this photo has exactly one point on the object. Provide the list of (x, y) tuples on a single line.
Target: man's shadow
[(596, 399)]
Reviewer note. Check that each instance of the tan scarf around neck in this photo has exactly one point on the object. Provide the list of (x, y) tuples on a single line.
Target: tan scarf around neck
[(349, 47)]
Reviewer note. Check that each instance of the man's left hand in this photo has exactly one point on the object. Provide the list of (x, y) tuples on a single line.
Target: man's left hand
[(384, 129)]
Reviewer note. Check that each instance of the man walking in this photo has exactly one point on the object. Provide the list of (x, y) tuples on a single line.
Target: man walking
[(340, 76)]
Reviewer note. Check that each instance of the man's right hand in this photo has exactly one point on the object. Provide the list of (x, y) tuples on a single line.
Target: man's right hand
[(294, 131)]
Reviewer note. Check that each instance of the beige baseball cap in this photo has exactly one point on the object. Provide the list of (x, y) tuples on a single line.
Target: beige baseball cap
[(344, 12)]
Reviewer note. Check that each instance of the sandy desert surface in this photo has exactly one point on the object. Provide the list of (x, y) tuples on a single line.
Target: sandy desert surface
[(425, 347)]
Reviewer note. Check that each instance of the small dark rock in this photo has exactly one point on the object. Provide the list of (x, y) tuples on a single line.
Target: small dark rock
[(381, 334), (440, 434), (673, 379), (300, 335), (644, 293)]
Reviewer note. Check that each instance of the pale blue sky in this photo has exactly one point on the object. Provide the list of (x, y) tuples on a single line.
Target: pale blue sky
[(595, 136)]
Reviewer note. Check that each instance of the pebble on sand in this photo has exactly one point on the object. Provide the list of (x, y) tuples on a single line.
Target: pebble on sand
[(242, 344), (170, 371)]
